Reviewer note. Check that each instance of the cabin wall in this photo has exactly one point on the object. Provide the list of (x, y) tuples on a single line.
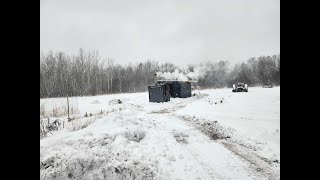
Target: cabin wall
[(169, 88), (185, 89), (159, 93)]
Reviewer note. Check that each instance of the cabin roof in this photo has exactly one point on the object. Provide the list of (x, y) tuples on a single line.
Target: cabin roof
[(177, 80)]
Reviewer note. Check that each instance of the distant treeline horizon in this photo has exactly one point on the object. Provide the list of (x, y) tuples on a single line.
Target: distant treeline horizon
[(84, 74)]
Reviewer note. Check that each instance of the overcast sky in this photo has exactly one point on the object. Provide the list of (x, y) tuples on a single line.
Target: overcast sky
[(179, 31)]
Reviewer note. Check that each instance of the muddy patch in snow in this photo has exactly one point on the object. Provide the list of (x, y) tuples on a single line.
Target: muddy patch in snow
[(180, 137), (211, 128)]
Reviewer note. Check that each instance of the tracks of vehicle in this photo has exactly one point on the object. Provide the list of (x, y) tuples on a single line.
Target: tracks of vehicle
[(257, 164)]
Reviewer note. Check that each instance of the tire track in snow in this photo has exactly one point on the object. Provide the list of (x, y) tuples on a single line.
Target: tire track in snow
[(210, 169), (258, 164), (177, 106)]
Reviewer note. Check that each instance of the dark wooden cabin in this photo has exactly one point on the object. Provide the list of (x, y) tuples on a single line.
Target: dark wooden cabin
[(163, 89), (159, 93)]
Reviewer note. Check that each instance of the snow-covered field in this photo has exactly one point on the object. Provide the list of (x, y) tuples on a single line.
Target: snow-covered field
[(215, 134)]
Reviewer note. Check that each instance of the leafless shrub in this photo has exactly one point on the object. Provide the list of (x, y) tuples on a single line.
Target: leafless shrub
[(81, 123), (57, 111), (46, 126)]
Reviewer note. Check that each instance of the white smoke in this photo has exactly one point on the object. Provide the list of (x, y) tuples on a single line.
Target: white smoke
[(197, 73), (183, 75), (176, 75)]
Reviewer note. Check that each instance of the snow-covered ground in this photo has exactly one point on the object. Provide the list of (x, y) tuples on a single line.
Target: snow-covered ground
[(215, 134)]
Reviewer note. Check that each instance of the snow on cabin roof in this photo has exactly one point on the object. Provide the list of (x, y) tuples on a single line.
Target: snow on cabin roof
[(179, 80)]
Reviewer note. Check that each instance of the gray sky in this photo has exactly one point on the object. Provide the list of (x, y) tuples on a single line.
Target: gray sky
[(179, 31)]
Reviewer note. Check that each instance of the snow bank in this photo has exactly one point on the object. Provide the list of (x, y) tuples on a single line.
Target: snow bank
[(216, 134)]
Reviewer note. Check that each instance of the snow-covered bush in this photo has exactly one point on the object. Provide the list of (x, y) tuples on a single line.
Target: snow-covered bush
[(46, 126), (135, 135), (100, 158)]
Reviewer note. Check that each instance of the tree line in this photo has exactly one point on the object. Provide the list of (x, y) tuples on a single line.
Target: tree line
[(254, 72), (85, 73)]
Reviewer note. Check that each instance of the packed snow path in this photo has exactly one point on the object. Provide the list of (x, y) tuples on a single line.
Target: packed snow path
[(216, 134)]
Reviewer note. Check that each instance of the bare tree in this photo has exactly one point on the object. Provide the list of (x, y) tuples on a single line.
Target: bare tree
[(81, 74)]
